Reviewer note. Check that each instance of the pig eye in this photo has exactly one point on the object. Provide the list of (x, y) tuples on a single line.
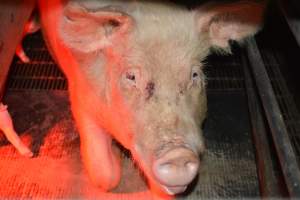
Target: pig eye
[(196, 76), (196, 73), (129, 77)]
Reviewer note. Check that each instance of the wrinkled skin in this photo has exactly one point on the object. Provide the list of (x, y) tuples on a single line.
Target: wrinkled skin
[(135, 74)]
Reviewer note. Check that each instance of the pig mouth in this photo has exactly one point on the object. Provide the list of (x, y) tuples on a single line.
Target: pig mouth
[(173, 190)]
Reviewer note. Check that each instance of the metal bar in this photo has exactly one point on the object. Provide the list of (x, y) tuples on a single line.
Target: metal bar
[(292, 17), (267, 180), (279, 131)]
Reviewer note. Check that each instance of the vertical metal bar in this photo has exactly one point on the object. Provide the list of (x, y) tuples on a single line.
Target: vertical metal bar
[(291, 16), (267, 181), (286, 155)]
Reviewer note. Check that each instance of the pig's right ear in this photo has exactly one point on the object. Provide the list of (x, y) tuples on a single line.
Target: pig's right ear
[(221, 23), (87, 30)]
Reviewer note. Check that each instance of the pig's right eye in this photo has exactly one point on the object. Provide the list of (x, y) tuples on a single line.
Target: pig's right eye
[(129, 77)]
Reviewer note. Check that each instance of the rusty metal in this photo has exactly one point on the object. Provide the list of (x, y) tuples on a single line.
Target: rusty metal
[(274, 117), (268, 181), (291, 13)]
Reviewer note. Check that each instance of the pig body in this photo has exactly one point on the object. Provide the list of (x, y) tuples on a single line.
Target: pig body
[(135, 74)]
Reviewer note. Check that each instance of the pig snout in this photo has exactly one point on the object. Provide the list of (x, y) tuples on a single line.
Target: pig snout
[(175, 169)]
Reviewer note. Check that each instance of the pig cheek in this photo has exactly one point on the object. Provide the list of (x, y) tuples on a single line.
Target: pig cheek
[(131, 96), (143, 145), (197, 108), (196, 139), (199, 119), (124, 119), (197, 101), (122, 123), (142, 155), (202, 107)]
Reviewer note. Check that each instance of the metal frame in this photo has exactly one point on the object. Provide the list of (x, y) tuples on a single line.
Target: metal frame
[(292, 16), (268, 181), (284, 149)]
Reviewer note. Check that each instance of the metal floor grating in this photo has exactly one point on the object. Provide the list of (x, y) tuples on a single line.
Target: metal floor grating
[(224, 73), (290, 112), (41, 73)]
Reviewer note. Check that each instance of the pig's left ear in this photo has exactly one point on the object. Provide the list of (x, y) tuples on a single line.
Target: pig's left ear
[(224, 22), (87, 30)]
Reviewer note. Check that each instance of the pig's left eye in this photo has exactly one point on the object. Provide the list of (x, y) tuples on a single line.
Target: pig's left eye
[(196, 75), (197, 79)]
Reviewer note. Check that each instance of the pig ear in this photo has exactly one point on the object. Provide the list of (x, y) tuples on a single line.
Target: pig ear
[(88, 30), (224, 22)]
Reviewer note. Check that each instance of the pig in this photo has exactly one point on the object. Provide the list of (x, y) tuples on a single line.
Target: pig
[(30, 27), (7, 128), (135, 74)]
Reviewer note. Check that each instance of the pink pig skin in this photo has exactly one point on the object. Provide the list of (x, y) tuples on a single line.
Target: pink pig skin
[(135, 74), (7, 128)]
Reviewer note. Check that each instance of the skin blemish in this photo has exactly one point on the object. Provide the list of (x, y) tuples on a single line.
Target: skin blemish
[(150, 90)]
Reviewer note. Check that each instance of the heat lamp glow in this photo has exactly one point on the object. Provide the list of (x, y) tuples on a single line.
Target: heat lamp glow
[(110, 58)]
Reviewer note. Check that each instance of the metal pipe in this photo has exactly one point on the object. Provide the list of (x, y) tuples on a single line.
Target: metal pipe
[(268, 182), (286, 155)]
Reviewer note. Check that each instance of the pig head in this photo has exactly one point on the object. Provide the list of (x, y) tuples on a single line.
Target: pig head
[(135, 74)]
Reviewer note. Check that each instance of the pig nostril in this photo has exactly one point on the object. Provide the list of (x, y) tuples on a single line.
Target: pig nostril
[(177, 167)]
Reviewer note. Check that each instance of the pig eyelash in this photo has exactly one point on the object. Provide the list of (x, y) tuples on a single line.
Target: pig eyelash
[(130, 76)]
